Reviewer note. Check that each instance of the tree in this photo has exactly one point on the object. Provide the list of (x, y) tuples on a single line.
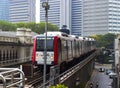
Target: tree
[(106, 40), (109, 40), (37, 27), (21, 25), (41, 27), (31, 25), (7, 26)]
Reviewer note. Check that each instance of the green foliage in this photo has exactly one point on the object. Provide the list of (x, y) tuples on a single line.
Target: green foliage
[(59, 86), (36, 27), (21, 25), (41, 28), (106, 40), (7, 26), (81, 85), (106, 56)]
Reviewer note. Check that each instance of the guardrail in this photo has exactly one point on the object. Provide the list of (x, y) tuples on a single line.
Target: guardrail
[(74, 69), (61, 78), (12, 77)]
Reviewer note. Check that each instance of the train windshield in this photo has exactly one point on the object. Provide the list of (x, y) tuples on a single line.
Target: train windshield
[(41, 43)]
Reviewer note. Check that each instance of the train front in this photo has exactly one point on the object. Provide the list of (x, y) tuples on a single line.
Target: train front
[(40, 50)]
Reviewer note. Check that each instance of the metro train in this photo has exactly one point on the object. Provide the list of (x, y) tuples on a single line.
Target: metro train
[(61, 48)]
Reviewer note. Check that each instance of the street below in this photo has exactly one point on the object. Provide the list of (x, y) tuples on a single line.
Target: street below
[(100, 79)]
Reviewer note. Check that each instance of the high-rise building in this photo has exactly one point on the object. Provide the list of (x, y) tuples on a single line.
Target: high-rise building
[(64, 12), (101, 17), (22, 11), (4, 10), (114, 16), (53, 12), (76, 17)]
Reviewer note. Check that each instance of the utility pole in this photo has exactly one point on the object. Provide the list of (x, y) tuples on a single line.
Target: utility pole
[(46, 6)]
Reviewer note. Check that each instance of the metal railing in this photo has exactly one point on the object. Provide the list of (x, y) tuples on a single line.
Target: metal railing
[(12, 77), (67, 74)]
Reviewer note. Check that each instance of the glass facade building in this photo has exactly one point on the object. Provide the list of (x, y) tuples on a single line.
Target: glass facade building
[(101, 17), (4, 10), (22, 11), (53, 12), (76, 20), (64, 12), (114, 16)]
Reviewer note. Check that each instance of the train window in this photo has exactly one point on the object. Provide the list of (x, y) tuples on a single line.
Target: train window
[(40, 45)]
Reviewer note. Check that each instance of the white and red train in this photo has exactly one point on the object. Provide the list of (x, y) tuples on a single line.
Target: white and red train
[(61, 48)]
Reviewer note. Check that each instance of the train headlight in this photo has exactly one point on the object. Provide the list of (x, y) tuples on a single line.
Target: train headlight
[(37, 56), (51, 57)]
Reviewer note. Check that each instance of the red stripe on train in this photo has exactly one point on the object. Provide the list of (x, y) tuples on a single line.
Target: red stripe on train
[(55, 50), (34, 51)]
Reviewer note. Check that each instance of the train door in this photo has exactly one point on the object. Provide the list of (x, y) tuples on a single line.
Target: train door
[(80, 48), (73, 49), (69, 50), (77, 47), (64, 49), (59, 51), (83, 48)]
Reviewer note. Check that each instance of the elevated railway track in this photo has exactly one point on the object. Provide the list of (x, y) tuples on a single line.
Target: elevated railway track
[(37, 82), (78, 71)]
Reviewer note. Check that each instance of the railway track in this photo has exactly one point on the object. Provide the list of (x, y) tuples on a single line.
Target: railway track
[(36, 81)]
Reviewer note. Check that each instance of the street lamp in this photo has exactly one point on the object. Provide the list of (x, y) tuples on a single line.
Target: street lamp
[(46, 6)]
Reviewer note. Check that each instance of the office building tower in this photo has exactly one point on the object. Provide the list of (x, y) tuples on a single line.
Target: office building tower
[(114, 16), (76, 17), (53, 12), (22, 11), (64, 12), (4, 10), (101, 17)]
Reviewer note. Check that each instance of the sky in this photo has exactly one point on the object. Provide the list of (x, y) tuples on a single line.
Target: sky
[(37, 11)]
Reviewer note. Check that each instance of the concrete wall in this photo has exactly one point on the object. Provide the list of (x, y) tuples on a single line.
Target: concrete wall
[(17, 47)]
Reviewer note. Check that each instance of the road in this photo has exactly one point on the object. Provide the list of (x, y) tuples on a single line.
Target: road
[(103, 80)]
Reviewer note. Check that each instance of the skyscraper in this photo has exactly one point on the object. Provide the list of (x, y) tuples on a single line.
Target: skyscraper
[(114, 16), (53, 12), (76, 17), (64, 12), (22, 11), (4, 10), (101, 17)]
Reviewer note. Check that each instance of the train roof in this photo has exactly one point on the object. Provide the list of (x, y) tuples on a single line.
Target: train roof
[(52, 34), (55, 33), (81, 38), (74, 36)]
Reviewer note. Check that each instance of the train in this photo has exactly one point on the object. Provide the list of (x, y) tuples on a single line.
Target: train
[(61, 48)]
